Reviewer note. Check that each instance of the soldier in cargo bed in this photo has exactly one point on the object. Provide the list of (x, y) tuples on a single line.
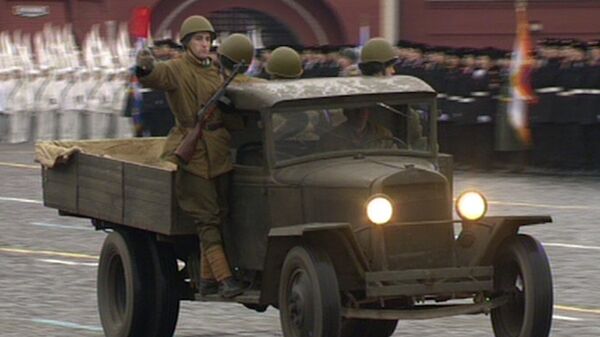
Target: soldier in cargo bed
[(202, 183)]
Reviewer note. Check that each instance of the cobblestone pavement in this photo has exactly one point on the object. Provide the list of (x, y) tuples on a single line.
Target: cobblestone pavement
[(54, 295)]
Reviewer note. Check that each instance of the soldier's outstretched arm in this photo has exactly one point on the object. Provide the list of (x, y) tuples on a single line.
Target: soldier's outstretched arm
[(152, 74)]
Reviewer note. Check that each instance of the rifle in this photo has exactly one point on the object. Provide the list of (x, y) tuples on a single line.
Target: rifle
[(187, 147)]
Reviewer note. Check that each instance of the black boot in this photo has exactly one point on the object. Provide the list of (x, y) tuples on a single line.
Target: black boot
[(208, 287), (230, 288)]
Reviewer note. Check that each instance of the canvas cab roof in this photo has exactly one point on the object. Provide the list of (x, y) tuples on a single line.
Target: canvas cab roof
[(285, 93)]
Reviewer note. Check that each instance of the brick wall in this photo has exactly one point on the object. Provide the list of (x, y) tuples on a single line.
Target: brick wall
[(442, 22), (480, 24)]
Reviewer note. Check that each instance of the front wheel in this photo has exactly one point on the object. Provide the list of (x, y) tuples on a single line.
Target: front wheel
[(522, 272), (309, 298)]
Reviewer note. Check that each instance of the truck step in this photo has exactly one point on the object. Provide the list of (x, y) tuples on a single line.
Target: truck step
[(248, 297)]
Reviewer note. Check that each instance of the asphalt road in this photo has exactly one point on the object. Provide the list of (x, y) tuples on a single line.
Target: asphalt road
[(48, 263)]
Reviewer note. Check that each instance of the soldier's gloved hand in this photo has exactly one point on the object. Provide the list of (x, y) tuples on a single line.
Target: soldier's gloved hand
[(144, 61)]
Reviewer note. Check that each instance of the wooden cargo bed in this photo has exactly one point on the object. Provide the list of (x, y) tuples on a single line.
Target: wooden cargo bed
[(119, 181)]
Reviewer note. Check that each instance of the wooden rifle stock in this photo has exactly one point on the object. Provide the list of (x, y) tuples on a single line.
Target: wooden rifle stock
[(186, 149)]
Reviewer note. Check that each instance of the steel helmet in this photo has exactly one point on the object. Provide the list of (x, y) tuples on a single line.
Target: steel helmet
[(285, 63), (237, 48), (377, 50), (196, 24)]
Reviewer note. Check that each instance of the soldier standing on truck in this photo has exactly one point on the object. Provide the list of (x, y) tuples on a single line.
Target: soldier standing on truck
[(202, 183), (235, 49)]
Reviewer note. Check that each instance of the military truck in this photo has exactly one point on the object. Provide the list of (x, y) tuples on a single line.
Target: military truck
[(342, 217)]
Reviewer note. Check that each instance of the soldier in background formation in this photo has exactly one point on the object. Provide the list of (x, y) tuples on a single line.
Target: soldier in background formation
[(565, 122), (67, 103)]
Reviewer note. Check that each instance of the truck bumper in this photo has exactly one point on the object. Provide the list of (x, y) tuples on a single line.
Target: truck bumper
[(422, 282)]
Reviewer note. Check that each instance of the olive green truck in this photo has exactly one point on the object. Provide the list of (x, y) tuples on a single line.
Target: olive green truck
[(342, 216)]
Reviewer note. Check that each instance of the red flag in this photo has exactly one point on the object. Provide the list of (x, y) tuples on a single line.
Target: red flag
[(523, 61), (520, 70), (140, 22)]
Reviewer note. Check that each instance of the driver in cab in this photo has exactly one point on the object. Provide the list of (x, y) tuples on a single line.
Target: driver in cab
[(357, 132)]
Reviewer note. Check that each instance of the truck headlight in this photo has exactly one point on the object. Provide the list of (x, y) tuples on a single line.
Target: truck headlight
[(380, 209), (471, 206)]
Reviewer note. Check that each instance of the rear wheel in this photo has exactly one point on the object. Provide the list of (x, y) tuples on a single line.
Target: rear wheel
[(122, 295), (309, 299), (137, 287), (522, 272), (368, 328), (167, 289)]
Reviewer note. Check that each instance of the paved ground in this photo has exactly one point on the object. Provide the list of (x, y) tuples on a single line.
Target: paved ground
[(48, 263)]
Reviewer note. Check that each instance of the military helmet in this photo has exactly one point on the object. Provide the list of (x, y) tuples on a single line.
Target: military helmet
[(285, 62), (377, 50), (196, 24), (237, 48)]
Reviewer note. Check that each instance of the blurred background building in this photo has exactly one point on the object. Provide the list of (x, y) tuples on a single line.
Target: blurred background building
[(466, 23)]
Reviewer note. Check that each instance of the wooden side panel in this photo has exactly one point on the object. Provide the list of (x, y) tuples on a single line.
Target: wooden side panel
[(119, 192), (60, 186), (100, 183), (149, 198)]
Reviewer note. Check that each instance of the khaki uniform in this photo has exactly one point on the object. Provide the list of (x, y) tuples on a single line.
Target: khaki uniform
[(344, 137), (202, 183), (188, 84)]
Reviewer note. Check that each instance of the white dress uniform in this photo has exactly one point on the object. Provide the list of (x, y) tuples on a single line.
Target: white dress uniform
[(19, 112), (6, 88), (37, 86), (100, 107), (48, 106), (70, 114), (88, 86)]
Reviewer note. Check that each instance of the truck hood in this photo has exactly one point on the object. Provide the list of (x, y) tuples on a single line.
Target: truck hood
[(361, 173)]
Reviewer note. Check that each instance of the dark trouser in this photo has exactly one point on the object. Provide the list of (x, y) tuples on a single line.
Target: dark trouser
[(205, 200)]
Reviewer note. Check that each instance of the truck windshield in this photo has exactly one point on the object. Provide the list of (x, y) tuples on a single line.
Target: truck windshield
[(377, 126)]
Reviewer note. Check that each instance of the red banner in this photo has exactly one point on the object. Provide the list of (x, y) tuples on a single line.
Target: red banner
[(140, 22)]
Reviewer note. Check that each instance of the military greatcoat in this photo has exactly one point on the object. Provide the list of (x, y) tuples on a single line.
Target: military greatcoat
[(188, 85)]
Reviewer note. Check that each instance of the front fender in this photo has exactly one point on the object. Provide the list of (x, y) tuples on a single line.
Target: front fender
[(336, 239), (478, 241)]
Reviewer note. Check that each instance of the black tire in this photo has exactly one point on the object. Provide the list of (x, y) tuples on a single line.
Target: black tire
[(368, 328), (166, 292), (309, 298), (138, 292), (123, 295), (521, 270)]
